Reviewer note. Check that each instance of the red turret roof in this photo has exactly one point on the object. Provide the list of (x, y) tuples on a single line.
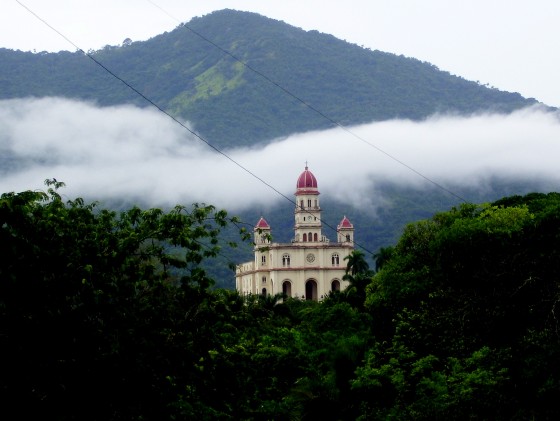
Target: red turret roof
[(345, 223), (262, 223)]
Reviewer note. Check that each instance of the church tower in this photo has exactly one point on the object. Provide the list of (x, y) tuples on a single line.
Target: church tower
[(310, 266), (308, 211)]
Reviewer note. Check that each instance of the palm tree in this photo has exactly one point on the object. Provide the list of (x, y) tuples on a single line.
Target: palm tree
[(356, 263), (358, 275), (382, 257)]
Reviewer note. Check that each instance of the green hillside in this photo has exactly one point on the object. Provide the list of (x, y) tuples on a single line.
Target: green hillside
[(241, 78)]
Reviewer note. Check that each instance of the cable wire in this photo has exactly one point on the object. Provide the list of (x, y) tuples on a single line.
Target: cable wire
[(306, 104), (216, 149)]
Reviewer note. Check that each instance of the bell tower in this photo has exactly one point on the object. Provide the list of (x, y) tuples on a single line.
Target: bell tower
[(308, 211)]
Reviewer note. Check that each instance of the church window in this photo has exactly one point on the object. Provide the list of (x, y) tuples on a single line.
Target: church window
[(301, 204), (335, 285), (263, 259), (347, 237), (316, 204), (264, 292), (309, 202), (310, 237), (335, 259), (286, 260), (304, 237), (287, 288), (264, 279), (315, 237)]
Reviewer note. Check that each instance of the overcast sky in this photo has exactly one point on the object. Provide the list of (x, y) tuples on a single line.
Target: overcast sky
[(127, 153), (512, 45)]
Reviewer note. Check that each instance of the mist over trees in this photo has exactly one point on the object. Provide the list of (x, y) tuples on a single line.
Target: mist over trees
[(110, 315), (138, 157)]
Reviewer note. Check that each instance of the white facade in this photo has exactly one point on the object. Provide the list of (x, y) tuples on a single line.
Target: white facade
[(310, 266)]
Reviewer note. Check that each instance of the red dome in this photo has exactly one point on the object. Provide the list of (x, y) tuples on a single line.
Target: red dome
[(306, 180)]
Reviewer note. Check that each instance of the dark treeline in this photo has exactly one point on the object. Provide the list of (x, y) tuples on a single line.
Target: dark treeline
[(108, 316)]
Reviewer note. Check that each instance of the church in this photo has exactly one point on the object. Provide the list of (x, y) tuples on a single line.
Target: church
[(308, 267)]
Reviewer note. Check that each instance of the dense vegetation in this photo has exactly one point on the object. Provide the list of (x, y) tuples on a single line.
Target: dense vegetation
[(109, 316), (232, 104)]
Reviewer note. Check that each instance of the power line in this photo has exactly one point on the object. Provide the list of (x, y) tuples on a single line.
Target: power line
[(160, 109), (216, 149), (306, 104)]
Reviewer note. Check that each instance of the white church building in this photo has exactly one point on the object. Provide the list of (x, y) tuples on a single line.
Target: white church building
[(308, 267)]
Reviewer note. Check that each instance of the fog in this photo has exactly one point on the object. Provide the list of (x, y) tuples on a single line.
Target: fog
[(128, 154)]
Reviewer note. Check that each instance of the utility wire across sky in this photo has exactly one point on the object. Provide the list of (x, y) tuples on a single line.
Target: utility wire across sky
[(260, 74)]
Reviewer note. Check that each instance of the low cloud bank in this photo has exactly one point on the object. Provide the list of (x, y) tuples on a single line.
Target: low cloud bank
[(128, 154)]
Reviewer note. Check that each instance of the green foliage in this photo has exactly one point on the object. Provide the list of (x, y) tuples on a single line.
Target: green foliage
[(358, 276), (109, 315), (463, 295), (96, 314), (403, 385)]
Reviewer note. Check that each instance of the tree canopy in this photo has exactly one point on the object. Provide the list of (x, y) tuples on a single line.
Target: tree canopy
[(108, 316)]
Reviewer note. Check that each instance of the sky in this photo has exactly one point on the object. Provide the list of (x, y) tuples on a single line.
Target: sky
[(131, 154)]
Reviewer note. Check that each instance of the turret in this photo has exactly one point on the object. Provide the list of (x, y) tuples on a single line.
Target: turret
[(345, 231), (262, 233), (308, 211)]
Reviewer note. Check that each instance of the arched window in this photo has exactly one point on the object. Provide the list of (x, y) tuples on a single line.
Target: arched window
[(315, 237), (304, 237), (310, 237), (286, 260), (335, 285), (264, 279), (311, 290), (335, 259), (264, 292), (301, 204), (263, 259), (287, 288)]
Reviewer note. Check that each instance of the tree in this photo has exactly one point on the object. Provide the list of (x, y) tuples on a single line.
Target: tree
[(358, 276), (465, 316), (382, 257), (99, 310), (356, 263)]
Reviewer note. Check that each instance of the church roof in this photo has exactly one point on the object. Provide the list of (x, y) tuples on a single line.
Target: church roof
[(306, 180), (345, 223), (262, 223)]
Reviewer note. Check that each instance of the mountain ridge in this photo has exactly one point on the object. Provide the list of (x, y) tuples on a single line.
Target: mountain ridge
[(241, 79)]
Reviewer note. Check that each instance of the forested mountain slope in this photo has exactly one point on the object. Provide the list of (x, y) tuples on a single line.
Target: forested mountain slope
[(241, 78)]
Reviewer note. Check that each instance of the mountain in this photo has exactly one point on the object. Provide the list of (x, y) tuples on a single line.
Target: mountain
[(241, 79)]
